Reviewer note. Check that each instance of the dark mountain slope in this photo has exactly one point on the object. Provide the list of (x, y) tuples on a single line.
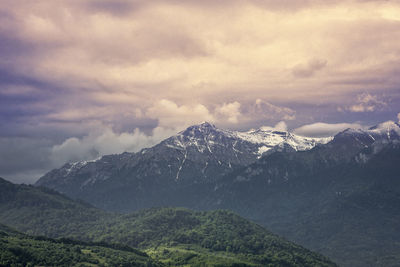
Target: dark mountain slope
[(43, 211)]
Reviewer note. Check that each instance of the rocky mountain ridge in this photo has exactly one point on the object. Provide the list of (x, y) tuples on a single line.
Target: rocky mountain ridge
[(189, 162)]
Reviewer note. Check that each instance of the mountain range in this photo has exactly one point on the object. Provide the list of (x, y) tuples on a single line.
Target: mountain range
[(339, 196), (179, 171)]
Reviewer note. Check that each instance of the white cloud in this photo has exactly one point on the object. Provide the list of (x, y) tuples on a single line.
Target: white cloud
[(105, 141), (266, 110), (321, 129), (226, 115), (260, 112), (229, 111), (398, 117), (280, 126), (367, 103), (170, 115)]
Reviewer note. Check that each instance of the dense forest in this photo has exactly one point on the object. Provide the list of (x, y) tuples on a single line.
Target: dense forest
[(17, 249), (170, 236)]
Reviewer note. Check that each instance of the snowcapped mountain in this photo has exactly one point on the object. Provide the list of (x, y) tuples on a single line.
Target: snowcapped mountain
[(206, 137), (348, 189), (193, 158)]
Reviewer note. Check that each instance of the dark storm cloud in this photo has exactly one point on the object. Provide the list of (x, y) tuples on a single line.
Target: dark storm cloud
[(22, 98), (9, 78)]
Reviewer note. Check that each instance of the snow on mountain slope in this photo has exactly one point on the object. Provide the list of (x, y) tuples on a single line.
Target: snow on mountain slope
[(206, 135), (269, 139)]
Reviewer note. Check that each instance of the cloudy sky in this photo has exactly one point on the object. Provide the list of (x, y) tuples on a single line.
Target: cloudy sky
[(83, 78)]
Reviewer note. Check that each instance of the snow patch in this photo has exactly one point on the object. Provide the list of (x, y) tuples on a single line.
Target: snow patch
[(180, 167)]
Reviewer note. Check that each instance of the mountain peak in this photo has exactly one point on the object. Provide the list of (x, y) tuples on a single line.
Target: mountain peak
[(199, 129), (206, 124)]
